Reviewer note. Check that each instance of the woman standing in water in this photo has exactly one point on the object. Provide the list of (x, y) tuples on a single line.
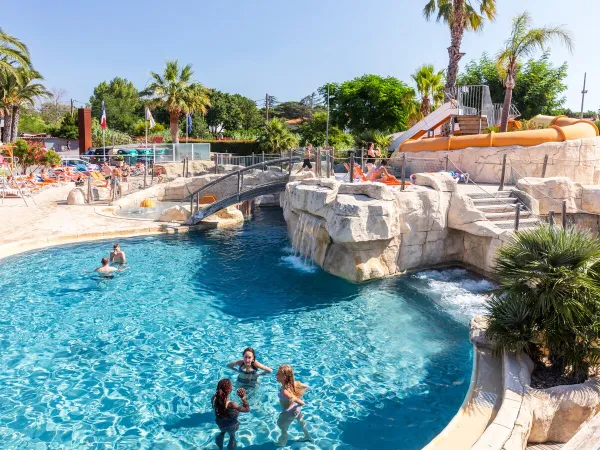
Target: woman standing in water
[(248, 367), (290, 400), (227, 412)]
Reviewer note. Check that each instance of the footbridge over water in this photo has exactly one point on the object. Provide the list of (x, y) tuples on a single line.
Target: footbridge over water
[(279, 171)]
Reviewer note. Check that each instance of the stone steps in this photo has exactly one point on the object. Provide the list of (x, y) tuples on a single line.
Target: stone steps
[(472, 124), (507, 215), (499, 194), (510, 224), (494, 201), (507, 207)]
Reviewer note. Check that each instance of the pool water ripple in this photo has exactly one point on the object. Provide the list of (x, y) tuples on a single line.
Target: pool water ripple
[(132, 362)]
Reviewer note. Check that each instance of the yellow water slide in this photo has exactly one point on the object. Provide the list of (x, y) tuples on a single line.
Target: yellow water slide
[(560, 129)]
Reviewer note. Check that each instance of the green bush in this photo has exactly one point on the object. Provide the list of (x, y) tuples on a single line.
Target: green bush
[(548, 302)]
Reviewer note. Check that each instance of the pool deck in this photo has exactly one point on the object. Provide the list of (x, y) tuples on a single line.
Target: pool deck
[(53, 222)]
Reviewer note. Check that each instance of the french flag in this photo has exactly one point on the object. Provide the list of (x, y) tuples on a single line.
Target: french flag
[(103, 118)]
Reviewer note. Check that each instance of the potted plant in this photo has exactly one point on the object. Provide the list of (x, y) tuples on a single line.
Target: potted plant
[(118, 160)]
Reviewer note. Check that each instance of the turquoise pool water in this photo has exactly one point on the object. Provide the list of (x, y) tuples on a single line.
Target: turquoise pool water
[(132, 362)]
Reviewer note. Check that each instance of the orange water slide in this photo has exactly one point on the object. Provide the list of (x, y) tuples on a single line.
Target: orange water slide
[(561, 128)]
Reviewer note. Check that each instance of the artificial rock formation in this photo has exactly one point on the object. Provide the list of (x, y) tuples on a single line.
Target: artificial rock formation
[(76, 197), (175, 213), (578, 159), (361, 231)]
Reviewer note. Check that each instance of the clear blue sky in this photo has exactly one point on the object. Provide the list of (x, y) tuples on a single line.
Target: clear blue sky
[(285, 48)]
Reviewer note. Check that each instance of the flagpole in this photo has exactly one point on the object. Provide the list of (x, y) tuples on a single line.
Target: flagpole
[(187, 127), (146, 133)]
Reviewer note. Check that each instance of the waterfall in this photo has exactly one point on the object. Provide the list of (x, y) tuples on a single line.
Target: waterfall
[(304, 239)]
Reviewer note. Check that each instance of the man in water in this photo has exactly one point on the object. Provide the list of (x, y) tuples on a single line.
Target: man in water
[(118, 255), (106, 269)]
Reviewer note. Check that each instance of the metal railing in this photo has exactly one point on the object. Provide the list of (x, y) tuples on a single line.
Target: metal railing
[(475, 100), (239, 190)]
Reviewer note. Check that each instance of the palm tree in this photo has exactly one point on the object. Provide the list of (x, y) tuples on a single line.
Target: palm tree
[(460, 15), (523, 41), (275, 136), (13, 53), (17, 90), (549, 298), (178, 93), (430, 86)]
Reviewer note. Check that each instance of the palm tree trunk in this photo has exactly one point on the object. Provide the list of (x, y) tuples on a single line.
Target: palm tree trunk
[(174, 123), (457, 30), (506, 109), (16, 113), (425, 106), (6, 131)]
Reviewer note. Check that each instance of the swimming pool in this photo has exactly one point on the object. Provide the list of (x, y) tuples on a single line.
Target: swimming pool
[(132, 362)]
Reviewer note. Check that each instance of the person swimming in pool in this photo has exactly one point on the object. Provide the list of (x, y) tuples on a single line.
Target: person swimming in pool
[(290, 398), (106, 269), (117, 255), (248, 367), (227, 412)]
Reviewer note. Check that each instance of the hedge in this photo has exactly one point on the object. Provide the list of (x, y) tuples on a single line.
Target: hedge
[(241, 148)]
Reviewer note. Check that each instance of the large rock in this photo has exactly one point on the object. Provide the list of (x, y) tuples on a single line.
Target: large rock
[(559, 412), (175, 213), (590, 199), (441, 181), (76, 197), (550, 193)]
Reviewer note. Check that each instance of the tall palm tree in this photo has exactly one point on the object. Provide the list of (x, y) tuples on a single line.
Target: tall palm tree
[(276, 136), (524, 41), (178, 93), (17, 90), (460, 15), (430, 86), (13, 53)]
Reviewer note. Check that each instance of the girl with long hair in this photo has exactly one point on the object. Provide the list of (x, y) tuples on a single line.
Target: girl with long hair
[(290, 398), (227, 412), (248, 367)]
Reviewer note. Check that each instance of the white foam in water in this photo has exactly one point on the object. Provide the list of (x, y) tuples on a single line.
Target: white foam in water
[(455, 291), (299, 263)]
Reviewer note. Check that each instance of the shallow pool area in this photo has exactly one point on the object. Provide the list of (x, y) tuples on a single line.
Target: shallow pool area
[(145, 213), (132, 361)]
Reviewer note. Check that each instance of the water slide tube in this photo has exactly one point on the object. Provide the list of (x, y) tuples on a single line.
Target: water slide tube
[(561, 128), (430, 122)]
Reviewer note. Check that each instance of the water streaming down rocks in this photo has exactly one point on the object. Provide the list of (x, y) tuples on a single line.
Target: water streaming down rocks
[(307, 239)]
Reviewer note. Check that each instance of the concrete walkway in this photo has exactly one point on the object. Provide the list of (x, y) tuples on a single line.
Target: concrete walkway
[(52, 222)]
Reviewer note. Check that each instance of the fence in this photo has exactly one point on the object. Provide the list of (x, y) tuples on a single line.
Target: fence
[(157, 153)]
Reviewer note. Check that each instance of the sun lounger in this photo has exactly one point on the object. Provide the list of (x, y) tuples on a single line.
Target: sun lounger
[(208, 199)]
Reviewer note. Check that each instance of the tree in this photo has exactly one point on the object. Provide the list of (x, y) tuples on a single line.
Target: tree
[(292, 110), (539, 85), (53, 110), (16, 91), (430, 86), (176, 90), (68, 127), (31, 121), (28, 154), (370, 102), (13, 53), (51, 158), (224, 113), (548, 301), (524, 40), (460, 15), (275, 136), (251, 116), (122, 103), (314, 131)]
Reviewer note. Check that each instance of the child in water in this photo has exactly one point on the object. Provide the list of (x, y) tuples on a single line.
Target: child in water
[(290, 399), (248, 367), (227, 412)]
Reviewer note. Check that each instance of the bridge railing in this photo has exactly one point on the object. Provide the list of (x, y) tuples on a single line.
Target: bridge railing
[(283, 166)]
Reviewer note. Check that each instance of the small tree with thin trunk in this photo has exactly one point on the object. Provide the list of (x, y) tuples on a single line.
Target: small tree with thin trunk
[(523, 41), (430, 86)]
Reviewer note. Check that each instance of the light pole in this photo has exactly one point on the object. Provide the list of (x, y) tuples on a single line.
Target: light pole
[(327, 125), (583, 92)]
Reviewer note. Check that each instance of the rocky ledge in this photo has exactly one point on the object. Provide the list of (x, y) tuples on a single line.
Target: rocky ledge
[(361, 231)]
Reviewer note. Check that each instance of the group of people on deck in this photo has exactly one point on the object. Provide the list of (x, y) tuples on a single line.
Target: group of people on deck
[(374, 172), (249, 370)]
